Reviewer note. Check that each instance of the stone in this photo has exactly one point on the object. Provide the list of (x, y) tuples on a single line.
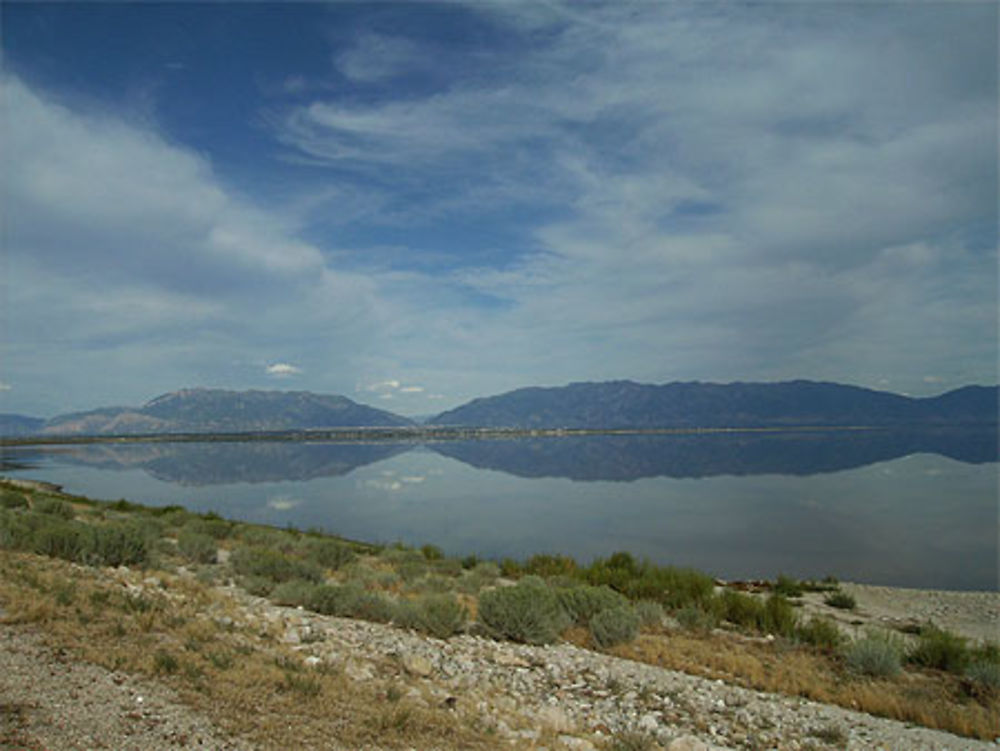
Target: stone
[(648, 723), (687, 743), (555, 719), (417, 665)]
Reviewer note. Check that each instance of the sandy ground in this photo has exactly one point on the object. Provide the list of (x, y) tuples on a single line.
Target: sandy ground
[(975, 615)]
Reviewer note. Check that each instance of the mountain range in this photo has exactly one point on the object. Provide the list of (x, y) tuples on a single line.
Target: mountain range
[(606, 405), (630, 405)]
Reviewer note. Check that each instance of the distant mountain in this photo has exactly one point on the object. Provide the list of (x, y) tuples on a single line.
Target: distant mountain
[(625, 404), (19, 425), (202, 410)]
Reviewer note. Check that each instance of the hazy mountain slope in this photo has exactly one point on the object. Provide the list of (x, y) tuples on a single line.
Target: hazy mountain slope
[(625, 404), (218, 411), (19, 425)]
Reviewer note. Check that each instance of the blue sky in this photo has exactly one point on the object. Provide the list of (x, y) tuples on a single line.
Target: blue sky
[(415, 204)]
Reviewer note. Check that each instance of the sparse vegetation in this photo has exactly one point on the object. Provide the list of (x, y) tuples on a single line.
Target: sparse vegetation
[(841, 599), (616, 625), (878, 654), (527, 612), (551, 597)]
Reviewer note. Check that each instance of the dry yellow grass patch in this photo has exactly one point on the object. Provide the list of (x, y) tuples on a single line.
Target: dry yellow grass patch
[(247, 683), (933, 700)]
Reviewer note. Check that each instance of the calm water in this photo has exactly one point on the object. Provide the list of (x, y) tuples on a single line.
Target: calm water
[(875, 506)]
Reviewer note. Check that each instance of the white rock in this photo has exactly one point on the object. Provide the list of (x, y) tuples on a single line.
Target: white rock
[(687, 743), (417, 665)]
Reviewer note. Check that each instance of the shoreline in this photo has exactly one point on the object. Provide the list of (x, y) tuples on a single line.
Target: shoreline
[(29, 484)]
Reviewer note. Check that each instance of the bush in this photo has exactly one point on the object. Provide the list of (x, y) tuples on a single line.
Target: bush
[(118, 545), (985, 674), (60, 539), (432, 552), (615, 626), (937, 648), (693, 618), (197, 546), (273, 565), (779, 616), (671, 586), (350, 601), (328, 552), (293, 593), (787, 587), (546, 565), (12, 499), (528, 612), (54, 507), (583, 603), (439, 615), (820, 632), (841, 599), (878, 654), (212, 526), (650, 613), (739, 609)]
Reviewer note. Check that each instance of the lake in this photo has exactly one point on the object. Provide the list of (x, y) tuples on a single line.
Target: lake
[(883, 507)]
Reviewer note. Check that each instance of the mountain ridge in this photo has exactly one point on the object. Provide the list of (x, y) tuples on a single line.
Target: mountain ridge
[(696, 404), (206, 410), (619, 404)]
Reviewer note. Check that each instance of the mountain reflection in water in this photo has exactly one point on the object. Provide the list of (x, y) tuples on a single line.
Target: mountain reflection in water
[(585, 458)]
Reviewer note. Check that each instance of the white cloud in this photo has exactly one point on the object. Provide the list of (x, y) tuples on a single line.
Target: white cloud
[(283, 369), (5, 386), (376, 57), (411, 390)]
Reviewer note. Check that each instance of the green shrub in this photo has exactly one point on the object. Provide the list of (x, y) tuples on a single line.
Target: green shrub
[(350, 601), (694, 618), (546, 565), (528, 612), (328, 552), (293, 593), (583, 603), (671, 586), (60, 539), (273, 565), (617, 625), (510, 568), (650, 613), (197, 546), (118, 545), (12, 499), (985, 674), (877, 654), (779, 616), (820, 632), (937, 648), (743, 610), (841, 599), (212, 526), (432, 552), (440, 615), (15, 531), (53, 507), (787, 587)]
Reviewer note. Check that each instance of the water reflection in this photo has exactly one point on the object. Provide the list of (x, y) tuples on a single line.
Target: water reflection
[(917, 509), (586, 458)]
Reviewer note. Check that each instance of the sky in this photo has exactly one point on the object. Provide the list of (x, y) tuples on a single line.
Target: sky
[(417, 204)]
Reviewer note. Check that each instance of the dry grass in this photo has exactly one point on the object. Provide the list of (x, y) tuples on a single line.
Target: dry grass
[(249, 685), (934, 700)]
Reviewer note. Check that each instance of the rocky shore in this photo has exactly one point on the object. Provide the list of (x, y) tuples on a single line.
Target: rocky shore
[(553, 697)]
